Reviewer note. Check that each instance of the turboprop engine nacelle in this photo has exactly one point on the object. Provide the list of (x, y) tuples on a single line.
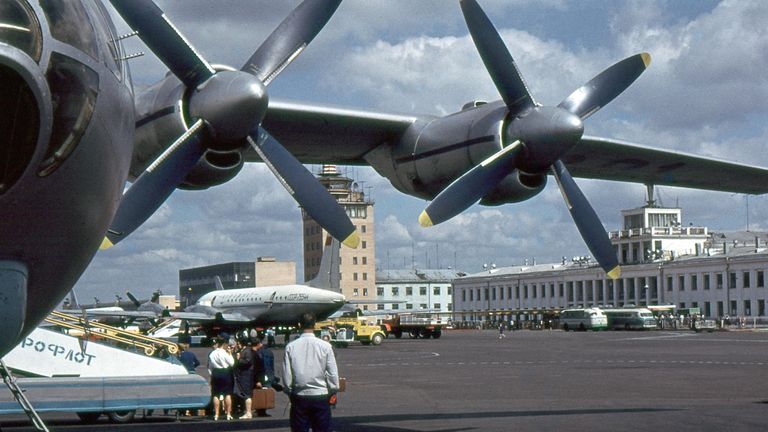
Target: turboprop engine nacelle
[(515, 187), (162, 117), (433, 153)]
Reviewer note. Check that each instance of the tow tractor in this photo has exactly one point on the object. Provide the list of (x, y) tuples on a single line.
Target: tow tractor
[(345, 330)]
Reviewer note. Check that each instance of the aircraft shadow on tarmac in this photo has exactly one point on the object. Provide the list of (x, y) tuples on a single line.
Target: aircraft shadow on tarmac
[(340, 423)]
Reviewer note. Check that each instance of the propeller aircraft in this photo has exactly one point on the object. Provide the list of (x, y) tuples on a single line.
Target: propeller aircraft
[(76, 133)]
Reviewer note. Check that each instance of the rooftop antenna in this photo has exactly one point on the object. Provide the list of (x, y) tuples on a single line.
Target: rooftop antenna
[(650, 202), (746, 197)]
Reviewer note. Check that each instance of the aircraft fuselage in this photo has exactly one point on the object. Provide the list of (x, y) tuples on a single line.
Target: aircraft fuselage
[(69, 140)]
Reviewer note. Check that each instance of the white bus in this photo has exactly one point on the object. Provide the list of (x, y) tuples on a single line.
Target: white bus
[(630, 319), (583, 319)]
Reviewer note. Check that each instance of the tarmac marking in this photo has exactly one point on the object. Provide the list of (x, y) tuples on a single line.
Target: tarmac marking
[(665, 335), (550, 362)]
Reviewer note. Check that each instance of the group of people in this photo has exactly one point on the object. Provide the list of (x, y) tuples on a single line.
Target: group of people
[(236, 369)]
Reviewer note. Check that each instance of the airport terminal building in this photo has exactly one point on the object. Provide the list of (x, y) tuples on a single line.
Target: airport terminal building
[(663, 262)]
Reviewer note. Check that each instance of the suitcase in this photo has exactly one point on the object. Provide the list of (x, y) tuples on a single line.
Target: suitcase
[(263, 398)]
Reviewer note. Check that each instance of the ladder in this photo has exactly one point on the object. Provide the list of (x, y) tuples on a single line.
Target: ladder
[(18, 394)]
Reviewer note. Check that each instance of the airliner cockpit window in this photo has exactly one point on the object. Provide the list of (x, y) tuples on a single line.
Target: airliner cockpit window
[(74, 87), (70, 23), (19, 27)]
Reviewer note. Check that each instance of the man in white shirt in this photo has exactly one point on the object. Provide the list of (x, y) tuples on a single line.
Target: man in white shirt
[(311, 377)]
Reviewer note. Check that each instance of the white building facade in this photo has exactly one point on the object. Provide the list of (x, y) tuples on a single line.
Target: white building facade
[(416, 290), (722, 274)]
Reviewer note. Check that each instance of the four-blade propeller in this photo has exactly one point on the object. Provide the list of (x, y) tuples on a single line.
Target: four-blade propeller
[(226, 109), (538, 136)]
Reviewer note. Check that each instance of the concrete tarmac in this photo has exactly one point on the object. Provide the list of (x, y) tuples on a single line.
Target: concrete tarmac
[(470, 380)]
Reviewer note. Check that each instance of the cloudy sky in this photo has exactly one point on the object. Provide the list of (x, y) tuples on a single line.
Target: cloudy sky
[(706, 92)]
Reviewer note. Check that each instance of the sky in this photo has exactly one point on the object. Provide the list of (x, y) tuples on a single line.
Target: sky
[(706, 92)]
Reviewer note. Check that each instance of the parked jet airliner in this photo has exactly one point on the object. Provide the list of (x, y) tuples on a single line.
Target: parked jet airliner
[(236, 309)]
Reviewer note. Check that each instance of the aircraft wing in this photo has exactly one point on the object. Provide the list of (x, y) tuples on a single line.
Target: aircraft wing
[(192, 316), (204, 317), (322, 134), (609, 159), (125, 314)]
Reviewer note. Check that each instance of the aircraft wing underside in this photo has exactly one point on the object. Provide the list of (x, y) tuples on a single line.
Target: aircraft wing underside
[(124, 314), (203, 317), (321, 134), (608, 159)]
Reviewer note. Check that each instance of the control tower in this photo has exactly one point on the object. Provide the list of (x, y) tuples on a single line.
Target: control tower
[(358, 266)]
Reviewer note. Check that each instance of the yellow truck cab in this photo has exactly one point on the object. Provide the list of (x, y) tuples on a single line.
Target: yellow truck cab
[(342, 331)]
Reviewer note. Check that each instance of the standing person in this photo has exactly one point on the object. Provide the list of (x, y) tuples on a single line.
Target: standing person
[(220, 364), (188, 358), (244, 375), (270, 337), (264, 370), (501, 330), (311, 378)]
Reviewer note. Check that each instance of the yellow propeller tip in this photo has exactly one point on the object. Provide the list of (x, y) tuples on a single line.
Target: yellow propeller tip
[(352, 240), (646, 59), (424, 219), (615, 273), (106, 244)]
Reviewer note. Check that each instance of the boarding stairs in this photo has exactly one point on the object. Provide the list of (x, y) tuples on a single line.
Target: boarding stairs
[(93, 329)]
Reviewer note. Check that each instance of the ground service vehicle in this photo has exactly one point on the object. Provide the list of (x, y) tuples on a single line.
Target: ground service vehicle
[(342, 331), (631, 319), (583, 319), (414, 325)]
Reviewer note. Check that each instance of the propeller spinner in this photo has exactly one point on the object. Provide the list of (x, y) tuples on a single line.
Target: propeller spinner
[(538, 136), (226, 109)]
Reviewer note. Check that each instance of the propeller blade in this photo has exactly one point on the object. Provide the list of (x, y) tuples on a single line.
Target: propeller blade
[(290, 38), (305, 189), (133, 298), (168, 44), (155, 185), (587, 222), (499, 63), (471, 186), (589, 98)]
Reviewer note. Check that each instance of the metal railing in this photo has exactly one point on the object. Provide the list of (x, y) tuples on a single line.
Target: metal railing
[(149, 344)]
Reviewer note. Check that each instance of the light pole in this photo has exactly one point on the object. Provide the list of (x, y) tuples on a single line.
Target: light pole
[(645, 293)]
